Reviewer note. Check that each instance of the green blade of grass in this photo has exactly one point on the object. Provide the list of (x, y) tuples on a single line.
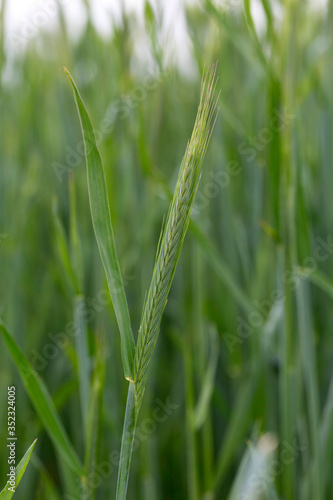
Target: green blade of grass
[(46, 482), (81, 340), (75, 242), (127, 443), (326, 436), (6, 494), (201, 409), (201, 370), (319, 279), (237, 427), (193, 486), (94, 417), (81, 346), (63, 251), (308, 358), (101, 219), (221, 269), (50, 491), (43, 403)]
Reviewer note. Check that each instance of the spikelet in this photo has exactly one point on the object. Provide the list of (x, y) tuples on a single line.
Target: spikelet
[(174, 233)]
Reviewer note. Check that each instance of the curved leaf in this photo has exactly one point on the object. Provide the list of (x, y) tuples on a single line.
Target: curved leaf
[(7, 494)]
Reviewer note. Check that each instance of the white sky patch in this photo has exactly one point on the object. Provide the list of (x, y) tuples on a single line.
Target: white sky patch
[(318, 4), (26, 18), (176, 39), (258, 16), (103, 16)]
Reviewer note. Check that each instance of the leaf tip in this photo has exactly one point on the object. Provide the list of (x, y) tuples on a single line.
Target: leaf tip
[(67, 73)]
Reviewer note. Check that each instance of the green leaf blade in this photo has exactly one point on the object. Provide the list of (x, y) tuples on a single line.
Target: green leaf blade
[(81, 345), (43, 404), (6, 494), (101, 219), (95, 413), (127, 443)]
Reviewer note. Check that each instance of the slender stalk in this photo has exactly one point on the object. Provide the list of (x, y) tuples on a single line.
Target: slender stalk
[(83, 357), (127, 443), (201, 332), (191, 438), (94, 424), (287, 204), (309, 366), (2, 34)]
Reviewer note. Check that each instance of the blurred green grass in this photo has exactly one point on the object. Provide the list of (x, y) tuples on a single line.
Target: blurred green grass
[(263, 209)]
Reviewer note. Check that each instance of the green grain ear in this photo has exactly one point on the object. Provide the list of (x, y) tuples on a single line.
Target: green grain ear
[(174, 232), (101, 219)]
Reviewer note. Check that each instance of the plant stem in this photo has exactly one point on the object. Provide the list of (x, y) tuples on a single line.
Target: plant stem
[(127, 443), (203, 358), (191, 440), (287, 204)]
